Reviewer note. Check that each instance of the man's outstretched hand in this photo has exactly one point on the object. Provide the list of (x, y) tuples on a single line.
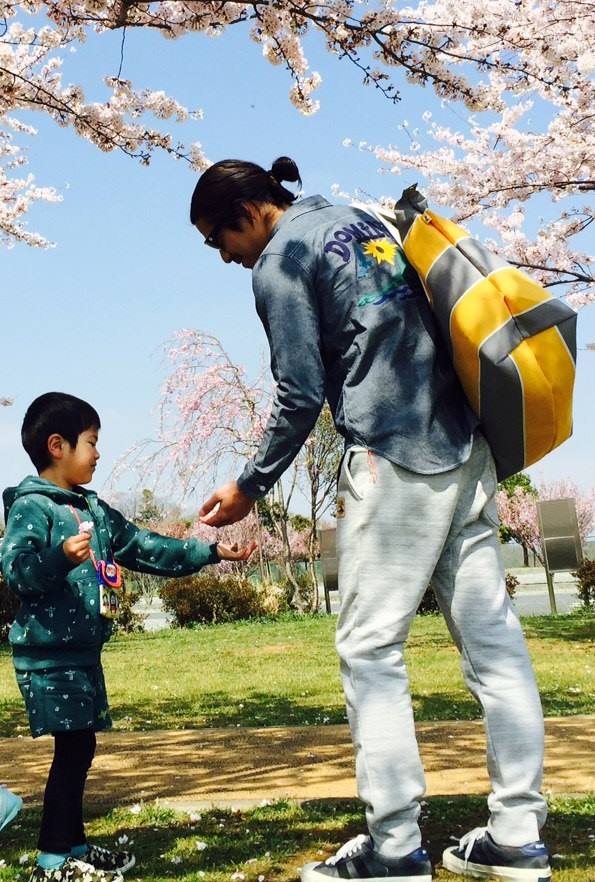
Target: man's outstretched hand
[(226, 506)]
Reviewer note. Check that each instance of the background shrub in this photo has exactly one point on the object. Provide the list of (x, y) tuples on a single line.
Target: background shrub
[(512, 583), (302, 598), (205, 599), (586, 583), (143, 585), (9, 605), (127, 620), (429, 604)]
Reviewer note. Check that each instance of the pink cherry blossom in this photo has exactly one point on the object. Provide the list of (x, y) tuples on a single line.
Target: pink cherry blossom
[(521, 69), (210, 414), (518, 512)]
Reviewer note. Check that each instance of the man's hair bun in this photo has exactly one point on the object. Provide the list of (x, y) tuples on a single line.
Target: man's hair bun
[(285, 169)]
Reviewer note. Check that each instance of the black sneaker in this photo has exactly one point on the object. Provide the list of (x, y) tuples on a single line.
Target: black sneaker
[(477, 855), (358, 860), (73, 870), (112, 861)]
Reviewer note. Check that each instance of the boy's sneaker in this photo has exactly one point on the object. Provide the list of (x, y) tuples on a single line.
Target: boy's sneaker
[(10, 806), (112, 861), (73, 870), (477, 855), (358, 860)]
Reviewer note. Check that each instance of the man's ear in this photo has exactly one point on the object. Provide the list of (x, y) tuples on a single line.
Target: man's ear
[(252, 211), (56, 446)]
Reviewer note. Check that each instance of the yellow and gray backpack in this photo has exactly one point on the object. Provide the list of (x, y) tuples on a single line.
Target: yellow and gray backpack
[(512, 344)]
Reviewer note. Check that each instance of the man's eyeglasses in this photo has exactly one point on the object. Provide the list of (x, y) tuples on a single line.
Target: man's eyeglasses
[(212, 240)]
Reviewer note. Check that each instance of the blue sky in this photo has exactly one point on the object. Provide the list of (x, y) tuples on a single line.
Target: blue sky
[(91, 315)]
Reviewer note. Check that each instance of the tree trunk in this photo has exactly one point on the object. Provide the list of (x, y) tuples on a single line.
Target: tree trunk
[(314, 488), (295, 599), (312, 569), (263, 571)]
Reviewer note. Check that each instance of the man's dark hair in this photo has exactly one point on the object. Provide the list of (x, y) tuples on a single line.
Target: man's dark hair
[(55, 413), (224, 186)]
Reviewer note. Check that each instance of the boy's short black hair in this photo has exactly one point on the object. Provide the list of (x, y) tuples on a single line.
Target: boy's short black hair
[(55, 413)]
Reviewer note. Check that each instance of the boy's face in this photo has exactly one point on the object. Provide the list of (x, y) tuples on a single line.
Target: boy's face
[(77, 464)]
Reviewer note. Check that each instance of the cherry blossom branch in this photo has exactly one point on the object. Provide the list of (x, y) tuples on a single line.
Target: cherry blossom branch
[(105, 135), (581, 184), (574, 276), (520, 51)]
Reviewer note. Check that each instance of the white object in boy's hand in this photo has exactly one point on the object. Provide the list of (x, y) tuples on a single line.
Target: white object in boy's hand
[(86, 527)]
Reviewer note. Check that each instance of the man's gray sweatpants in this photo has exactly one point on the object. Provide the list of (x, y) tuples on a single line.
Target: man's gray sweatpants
[(396, 531)]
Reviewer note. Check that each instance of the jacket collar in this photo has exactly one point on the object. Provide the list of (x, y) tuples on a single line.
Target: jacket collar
[(299, 208)]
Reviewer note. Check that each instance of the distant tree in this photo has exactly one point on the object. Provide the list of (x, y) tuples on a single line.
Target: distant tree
[(150, 512), (319, 463), (518, 512), (522, 480), (300, 522), (279, 503), (509, 486), (209, 413), (151, 516)]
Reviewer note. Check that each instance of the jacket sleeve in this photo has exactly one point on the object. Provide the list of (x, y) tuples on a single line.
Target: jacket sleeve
[(30, 564), (287, 305), (147, 552)]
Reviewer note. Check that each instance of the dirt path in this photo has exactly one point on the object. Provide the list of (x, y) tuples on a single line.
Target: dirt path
[(239, 766)]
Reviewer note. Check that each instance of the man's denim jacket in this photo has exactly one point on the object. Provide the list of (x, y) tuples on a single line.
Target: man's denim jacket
[(347, 319)]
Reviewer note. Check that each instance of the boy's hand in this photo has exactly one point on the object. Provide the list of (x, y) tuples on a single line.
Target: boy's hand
[(76, 548), (232, 552)]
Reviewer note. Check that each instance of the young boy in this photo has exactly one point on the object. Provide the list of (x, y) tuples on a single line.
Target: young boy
[(61, 551)]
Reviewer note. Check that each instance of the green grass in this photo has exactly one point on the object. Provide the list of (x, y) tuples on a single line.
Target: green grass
[(274, 841), (285, 672)]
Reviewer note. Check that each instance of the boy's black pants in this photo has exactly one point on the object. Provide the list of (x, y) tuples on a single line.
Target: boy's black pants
[(62, 820)]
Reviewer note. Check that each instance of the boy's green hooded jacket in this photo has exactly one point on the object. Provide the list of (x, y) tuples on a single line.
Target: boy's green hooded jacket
[(59, 623)]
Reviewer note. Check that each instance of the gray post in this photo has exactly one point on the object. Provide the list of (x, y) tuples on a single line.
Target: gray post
[(328, 562), (560, 540), (550, 591)]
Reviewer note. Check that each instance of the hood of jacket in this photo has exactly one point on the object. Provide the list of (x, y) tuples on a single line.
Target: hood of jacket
[(35, 484)]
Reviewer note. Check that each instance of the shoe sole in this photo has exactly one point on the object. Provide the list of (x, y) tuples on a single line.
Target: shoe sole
[(17, 806), (309, 874), (117, 871), (502, 874), (127, 866)]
